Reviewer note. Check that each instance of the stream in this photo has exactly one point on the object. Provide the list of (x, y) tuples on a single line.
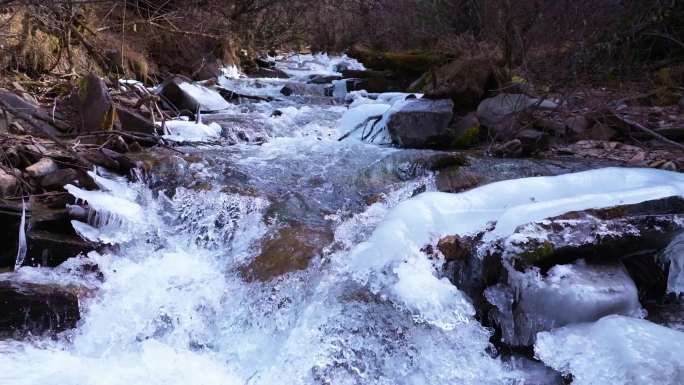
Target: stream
[(281, 255)]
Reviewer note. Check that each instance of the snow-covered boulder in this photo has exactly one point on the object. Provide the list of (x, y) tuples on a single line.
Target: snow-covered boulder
[(615, 350)]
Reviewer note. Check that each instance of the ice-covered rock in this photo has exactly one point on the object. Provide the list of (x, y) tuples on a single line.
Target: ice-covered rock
[(363, 122), (512, 266), (615, 350), (185, 95), (623, 231), (392, 254), (567, 294)]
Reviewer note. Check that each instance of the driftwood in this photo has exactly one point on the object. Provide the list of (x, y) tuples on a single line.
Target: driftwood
[(647, 130)]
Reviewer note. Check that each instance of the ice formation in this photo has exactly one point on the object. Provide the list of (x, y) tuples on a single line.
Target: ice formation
[(185, 131), (544, 302), (615, 350), (674, 256)]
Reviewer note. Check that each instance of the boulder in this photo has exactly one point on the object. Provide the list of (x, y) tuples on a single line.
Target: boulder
[(8, 184), (56, 180), (42, 167), (191, 97), (500, 113), (419, 123), (133, 121), (606, 234), (95, 108), (466, 81), (36, 309), (265, 62), (50, 236)]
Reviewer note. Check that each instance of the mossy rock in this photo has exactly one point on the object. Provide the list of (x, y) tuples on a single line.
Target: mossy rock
[(468, 138), (411, 63), (466, 81), (290, 249)]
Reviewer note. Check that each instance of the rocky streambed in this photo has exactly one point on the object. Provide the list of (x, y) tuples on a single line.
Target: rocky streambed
[(263, 249)]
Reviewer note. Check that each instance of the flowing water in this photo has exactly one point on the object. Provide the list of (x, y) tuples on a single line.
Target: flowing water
[(187, 299), (239, 269)]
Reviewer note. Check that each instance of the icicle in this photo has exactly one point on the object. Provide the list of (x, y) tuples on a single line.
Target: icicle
[(21, 252)]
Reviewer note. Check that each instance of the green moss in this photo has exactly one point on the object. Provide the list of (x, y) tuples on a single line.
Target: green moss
[(468, 137), (541, 252), (516, 79)]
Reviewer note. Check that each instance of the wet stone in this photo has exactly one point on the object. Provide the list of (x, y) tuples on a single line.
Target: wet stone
[(291, 249), (36, 309)]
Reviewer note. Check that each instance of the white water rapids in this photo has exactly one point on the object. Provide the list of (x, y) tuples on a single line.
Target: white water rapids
[(175, 309)]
